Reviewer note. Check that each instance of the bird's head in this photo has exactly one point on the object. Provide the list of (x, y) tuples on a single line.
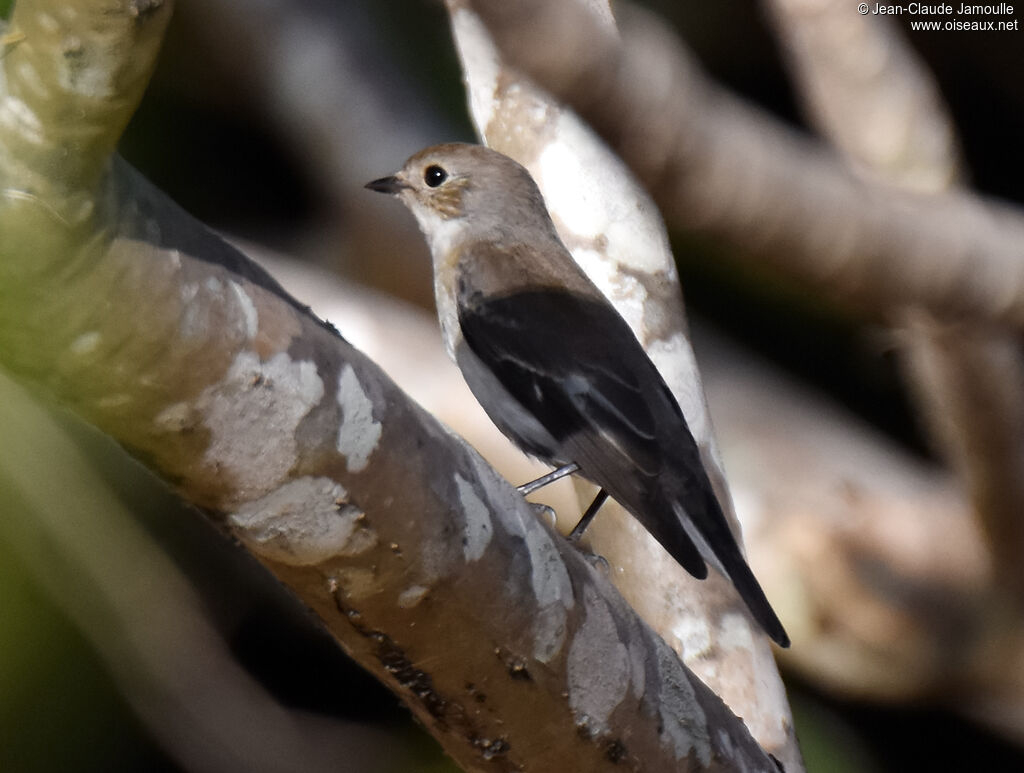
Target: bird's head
[(470, 188)]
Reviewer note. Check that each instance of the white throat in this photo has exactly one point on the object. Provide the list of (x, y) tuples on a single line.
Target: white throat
[(445, 237)]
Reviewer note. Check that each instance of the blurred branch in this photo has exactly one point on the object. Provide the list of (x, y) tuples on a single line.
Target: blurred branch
[(879, 558), (868, 93), (884, 113), (970, 383), (717, 165), (969, 378), (429, 569), (328, 81), (875, 553)]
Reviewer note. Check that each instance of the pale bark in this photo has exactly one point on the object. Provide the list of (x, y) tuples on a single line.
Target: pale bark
[(426, 566), (142, 616), (615, 233)]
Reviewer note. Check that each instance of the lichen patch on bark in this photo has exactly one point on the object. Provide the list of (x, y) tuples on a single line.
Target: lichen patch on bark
[(599, 668), (412, 596), (549, 630), (694, 636), (358, 432), (250, 317), (478, 530), (677, 700), (175, 418), (86, 343), (549, 578), (252, 414), (16, 116), (735, 632), (302, 523)]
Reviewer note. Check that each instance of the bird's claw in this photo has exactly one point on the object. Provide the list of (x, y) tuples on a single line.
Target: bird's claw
[(545, 511)]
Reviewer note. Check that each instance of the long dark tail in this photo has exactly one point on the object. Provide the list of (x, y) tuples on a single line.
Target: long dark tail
[(751, 593), (713, 527), (666, 522)]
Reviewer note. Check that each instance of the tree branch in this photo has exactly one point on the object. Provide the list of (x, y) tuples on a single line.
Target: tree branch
[(969, 378), (615, 233), (970, 383), (427, 567), (883, 571), (720, 167), (869, 94), (142, 616)]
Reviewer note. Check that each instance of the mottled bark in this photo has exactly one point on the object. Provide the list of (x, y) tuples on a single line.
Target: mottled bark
[(426, 566)]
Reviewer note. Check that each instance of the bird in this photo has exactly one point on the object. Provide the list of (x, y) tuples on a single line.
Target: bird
[(552, 362)]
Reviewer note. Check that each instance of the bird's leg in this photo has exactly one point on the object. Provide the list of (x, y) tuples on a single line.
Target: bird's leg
[(588, 516), (551, 477)]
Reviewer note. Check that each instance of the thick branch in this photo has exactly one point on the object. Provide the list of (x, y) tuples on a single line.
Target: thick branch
[(719, 166), (142, 616), (425, 565), (887, 579)]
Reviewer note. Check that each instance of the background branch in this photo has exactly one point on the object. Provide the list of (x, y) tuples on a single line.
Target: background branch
[(887, 118), (710, 160)]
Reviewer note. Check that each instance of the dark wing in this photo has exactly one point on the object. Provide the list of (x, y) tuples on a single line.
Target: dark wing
[(564, 358), (574, 365)]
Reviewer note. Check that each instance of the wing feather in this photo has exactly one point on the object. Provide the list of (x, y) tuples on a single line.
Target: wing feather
[(575, 365)]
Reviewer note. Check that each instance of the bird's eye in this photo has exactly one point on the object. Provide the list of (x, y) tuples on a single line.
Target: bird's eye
[(434, 175)]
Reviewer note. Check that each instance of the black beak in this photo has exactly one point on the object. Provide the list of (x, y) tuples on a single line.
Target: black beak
[(387, 185)]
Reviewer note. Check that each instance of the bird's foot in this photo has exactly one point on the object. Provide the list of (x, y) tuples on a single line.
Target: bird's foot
[(547, 512), (596, 560)]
